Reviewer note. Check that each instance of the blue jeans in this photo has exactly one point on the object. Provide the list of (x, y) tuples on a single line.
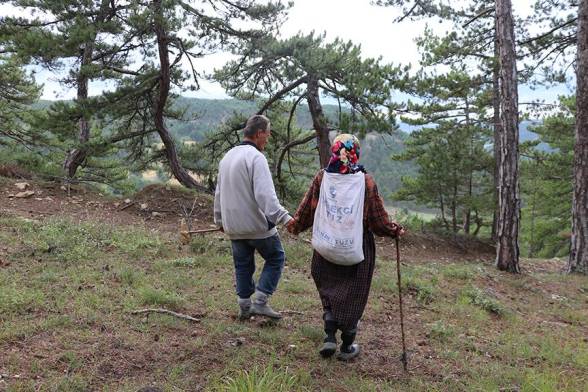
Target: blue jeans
[(244, 258)]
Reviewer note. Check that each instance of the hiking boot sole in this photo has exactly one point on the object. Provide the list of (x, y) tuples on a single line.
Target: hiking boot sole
[(270, 313), (278, 317), (342, 356), (244, 316), (328, 350)]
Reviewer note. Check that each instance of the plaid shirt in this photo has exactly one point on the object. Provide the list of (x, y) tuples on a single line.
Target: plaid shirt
[(375, 217)]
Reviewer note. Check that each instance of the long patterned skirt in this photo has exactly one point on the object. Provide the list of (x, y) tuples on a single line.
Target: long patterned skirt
[(344, 290)]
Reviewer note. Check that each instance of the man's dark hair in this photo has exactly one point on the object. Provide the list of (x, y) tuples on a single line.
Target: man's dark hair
[(255, 123)]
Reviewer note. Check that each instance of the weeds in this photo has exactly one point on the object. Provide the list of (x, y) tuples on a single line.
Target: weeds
[(267, 379), (423, 291), (479, 298), (461, 272), (151, 296), (441, 331)]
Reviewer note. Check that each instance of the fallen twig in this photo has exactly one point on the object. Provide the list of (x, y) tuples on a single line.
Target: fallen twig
[(165, 311), (186, 234), (128, 205)]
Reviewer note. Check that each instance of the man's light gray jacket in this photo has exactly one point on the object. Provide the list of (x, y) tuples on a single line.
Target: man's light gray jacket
[(245, 201)]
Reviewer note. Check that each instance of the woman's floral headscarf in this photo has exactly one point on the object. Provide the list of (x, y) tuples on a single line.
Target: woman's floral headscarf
[(345, 155)]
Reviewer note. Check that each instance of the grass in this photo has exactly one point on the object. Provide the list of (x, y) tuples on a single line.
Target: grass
[(481, 299), (159, 297), (420, 282), (65, 321), (266, 379)]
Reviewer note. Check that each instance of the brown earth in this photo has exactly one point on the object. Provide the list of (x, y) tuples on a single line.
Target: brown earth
[(156, 207), (160, 208), (140, 354)]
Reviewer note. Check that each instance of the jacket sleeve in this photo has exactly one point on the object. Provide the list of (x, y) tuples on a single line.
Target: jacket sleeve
[(265, 193), (377, 217), (304, 216), (217, 207)]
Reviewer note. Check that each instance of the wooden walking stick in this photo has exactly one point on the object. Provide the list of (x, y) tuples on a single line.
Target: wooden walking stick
[(404, 357)]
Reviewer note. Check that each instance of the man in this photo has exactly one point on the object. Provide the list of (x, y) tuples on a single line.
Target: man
[(247, 209)]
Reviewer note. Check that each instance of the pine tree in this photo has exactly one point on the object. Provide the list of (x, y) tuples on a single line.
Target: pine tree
[(578, 261), (507, 250), (157, 28), (17, 92), (546, 184), (473, 40), (551, 51), (78, 39), (454, 166), (117, 42), (303, 68)]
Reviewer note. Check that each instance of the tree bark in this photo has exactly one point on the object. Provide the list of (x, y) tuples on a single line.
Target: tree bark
[(578, 261), (497, 130), (454, 209), (76, 157), (507, 249), (467, 213), (319, 121), (442, 207), (479, 222), (160, 101)]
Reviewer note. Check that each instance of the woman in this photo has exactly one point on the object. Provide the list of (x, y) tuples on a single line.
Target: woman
[(344, 290)]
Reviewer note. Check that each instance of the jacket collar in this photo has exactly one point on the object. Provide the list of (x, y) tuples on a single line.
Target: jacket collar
[(248, 143)]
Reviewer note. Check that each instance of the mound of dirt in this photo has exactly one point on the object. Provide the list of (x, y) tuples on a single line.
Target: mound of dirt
[(14, 171), (430, 246), (161, 198), (157, 207)]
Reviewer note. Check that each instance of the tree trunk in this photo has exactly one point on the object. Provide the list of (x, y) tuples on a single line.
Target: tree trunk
[(478, 221), (578, 261), (507, 249), (76, 157), (319, 121), (497, 131), (533, 215), (454, 209), (442, 207), (467, 213), (159, 106)]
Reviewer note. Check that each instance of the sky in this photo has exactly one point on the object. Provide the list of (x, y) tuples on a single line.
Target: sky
[(370, 26)]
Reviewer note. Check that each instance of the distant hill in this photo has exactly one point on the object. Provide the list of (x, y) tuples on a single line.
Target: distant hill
[(375, 152), (204, 115)]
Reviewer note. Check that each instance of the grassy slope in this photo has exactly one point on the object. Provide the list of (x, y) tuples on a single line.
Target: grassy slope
[(66, 291)]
